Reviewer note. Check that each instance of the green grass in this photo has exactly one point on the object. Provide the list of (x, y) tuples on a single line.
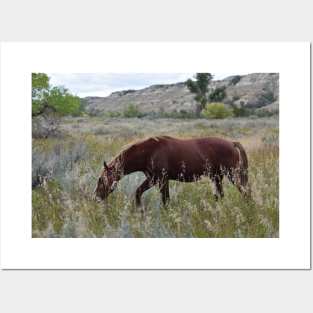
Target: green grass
[(63, 207)]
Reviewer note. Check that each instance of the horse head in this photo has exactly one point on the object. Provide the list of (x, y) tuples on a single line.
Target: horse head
[(106, 183)]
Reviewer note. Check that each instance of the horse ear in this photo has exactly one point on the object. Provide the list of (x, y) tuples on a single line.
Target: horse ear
[(105, 165)]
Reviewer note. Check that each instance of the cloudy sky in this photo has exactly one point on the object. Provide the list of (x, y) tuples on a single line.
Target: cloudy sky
[(101, 85)]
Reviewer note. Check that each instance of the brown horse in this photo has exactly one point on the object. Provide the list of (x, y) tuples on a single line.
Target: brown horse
[(166, 158)]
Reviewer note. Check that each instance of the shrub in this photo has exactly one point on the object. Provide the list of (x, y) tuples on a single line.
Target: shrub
[(100, 131), (268, 96), (241, 111), (265, 113), (47, 208), (132, 111), (112, 114), (235, 79), (181, 114), (216, 110), (57, 163), (235, 98), (45, 125)]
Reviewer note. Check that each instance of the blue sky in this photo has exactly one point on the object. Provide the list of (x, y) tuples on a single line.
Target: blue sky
[(97, 84)]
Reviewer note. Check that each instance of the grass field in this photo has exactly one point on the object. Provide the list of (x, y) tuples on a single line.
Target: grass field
[(63, 205)]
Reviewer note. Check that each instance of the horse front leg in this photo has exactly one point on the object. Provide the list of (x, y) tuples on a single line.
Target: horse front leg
[(147, 184), (165, 191)]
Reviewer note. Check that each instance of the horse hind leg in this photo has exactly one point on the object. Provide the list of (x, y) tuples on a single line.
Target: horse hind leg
[(234, 178), (218, 184)]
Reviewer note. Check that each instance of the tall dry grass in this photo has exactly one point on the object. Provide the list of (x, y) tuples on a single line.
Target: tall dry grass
[(63, 206)]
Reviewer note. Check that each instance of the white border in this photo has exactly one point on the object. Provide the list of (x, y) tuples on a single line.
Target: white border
[(291, 250)]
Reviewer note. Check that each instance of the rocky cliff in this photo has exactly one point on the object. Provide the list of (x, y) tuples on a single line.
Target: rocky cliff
[(258, 90)]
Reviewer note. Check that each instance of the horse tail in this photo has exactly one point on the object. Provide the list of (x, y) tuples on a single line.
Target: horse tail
[(243, 164)]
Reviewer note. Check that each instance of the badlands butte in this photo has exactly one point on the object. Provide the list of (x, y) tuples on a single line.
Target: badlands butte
[(259, 91)]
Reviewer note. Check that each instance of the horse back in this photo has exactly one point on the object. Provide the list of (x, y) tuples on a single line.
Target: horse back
[(190, 157)]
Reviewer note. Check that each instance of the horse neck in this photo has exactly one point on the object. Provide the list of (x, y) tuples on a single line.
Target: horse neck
[(127, 162), (117, 168), (121, 166)]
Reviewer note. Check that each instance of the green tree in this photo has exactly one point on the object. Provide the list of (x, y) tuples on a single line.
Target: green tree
[(40, 81), (58, 99), (63, 102), (217, 94), (200, 88)]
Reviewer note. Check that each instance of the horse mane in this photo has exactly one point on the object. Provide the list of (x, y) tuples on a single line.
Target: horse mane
[(136, 143)]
